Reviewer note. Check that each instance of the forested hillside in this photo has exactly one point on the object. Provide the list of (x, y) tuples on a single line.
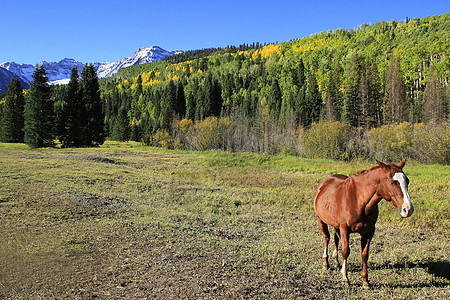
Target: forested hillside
[(387, 73), (376, 91)]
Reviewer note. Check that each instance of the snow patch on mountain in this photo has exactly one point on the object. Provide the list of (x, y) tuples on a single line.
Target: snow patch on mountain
[(55, 70), (59, 72), (23, 71), (141, 56)]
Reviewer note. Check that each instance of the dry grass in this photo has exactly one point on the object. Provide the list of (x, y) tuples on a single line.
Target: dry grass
[(123, 221)]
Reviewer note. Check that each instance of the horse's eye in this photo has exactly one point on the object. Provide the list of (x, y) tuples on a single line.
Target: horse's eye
[(393, 182)]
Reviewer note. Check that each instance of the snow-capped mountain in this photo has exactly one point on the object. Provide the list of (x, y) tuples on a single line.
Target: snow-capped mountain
[(5, 79), (55, 70), (142, 56), (59, 72), (23, 71)]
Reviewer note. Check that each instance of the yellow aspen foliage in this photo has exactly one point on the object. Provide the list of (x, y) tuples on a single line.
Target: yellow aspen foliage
[(268, 50), (256, 54), (310, 44), (185, 125), (200, 71)]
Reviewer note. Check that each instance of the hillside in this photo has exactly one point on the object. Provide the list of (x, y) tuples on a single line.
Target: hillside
[(366, 77)]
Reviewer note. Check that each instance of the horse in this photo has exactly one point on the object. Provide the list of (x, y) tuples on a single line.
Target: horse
[(350, 204)]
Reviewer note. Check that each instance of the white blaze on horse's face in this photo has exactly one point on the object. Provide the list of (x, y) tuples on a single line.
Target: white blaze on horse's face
[(407, 208)]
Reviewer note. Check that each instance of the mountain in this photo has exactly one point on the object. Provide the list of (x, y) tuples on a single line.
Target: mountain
[(142, 56), (59, 72), (55, 70), (5, 79)]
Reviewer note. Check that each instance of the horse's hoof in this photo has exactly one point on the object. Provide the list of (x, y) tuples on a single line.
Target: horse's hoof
[(366, 286), (326, 265), (345, 283)]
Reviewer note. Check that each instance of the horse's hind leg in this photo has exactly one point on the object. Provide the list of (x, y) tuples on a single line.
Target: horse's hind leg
[(336, 248), (326, 237), (345, 252), (365, 243)]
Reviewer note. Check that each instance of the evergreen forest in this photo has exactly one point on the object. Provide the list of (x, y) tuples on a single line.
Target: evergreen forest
[(375, 91)]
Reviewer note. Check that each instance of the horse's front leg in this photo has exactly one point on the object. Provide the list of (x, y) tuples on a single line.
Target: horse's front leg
[(365, 243), (345, 234)]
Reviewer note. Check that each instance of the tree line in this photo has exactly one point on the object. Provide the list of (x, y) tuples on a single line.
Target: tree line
[(366, 77), (42, 114)]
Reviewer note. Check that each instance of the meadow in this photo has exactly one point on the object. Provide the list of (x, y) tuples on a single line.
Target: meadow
[(130, 221)]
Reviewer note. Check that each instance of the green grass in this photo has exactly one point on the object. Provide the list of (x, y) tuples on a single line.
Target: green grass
[(124, 220)]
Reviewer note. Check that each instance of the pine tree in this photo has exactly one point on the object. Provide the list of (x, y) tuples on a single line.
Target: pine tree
[(92, 123), (352, 99), (215, 95), (73, 112), (314, 99), (156, 100), (12, 122), (301, 78), (275, 99), (121, 130), (39, 113), (333, 97), (205, 105), (167, 105), (180, 103), (301, 107), (191, 99)]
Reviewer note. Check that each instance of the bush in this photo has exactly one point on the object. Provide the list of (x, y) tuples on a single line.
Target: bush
[(335, 140), (390, 142), (431, 144), (325, 140), (161, 139), (210, 134)]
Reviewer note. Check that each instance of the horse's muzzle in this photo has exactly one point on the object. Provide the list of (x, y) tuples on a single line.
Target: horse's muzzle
[(406, 210)]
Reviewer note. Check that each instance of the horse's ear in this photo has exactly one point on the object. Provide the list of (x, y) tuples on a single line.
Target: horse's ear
[(381, 164), (402, 163)]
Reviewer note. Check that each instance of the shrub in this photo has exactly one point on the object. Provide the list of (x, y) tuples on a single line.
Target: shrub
[(431, 144), (325, 140), (210, 134), (161, 139), (390, 142)]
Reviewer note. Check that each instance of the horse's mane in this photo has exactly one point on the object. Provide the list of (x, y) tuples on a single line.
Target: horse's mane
[(361, 172)]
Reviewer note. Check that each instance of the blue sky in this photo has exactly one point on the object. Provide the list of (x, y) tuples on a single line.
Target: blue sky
[(89, 30)]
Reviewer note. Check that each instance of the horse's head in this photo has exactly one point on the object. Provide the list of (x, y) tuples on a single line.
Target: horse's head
[(394, 187)]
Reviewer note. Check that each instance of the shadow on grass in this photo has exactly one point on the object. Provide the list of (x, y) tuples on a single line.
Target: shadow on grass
[(439, 269)]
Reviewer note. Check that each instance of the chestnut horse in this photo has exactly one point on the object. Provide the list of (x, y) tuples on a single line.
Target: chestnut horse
[(350, 204)]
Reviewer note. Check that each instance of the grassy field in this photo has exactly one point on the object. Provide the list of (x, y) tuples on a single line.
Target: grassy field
[(127, 221)]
